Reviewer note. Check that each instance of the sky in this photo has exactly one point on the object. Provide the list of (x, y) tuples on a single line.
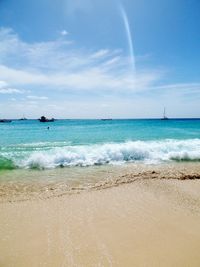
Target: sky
[(99, 58)]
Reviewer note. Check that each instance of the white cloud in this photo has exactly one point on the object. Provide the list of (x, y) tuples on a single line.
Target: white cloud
[(100, 54), (3, 84), (5, 89), (57, 65), (64, 33), (10, 91), (112, 61), (73, 6), (180, 86), (45, 67), (33, 97), (89, 79)]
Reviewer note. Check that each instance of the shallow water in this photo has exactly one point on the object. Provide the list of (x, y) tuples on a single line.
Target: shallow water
[(29, 144), (78, 155), (25, 184)]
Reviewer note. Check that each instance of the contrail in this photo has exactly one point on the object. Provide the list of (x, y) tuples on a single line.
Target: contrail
[(129, 37)]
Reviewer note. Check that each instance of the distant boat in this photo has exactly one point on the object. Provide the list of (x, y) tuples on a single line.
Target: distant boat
[(44, 119), (164, 116), (5, 121), (23, 118)]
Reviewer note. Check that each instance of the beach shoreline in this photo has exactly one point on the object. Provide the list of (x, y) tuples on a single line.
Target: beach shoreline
[(148, 222), (22, 185)]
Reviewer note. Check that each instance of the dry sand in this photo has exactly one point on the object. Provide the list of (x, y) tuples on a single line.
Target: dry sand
[(151, 222)]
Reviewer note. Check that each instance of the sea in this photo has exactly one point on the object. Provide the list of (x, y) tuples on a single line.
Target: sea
[(35, 151)]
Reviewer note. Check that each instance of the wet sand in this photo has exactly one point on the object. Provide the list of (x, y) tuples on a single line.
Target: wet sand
[(22, 185), (148, 222)]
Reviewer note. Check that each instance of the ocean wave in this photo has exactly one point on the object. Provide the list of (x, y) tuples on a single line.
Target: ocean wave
[(111, 153), (6, 164)]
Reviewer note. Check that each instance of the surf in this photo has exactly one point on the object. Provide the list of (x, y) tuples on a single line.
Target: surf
[(148, 152)]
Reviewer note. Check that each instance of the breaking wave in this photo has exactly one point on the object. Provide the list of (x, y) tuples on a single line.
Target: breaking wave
[(110, 153), (6, 164)]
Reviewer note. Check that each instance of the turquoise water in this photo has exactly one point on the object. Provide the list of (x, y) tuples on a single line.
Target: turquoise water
[(29, 144)]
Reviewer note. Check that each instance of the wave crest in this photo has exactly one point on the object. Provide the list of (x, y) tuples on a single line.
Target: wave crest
[(112, 153), (6, 164)]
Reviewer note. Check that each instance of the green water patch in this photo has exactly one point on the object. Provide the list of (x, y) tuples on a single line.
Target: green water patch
[(6, 164)]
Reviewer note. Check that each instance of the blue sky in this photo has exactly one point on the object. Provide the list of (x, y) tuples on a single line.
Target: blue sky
[(72, 58)]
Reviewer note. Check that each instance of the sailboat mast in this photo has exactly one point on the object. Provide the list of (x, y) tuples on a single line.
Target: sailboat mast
[(164, 115)]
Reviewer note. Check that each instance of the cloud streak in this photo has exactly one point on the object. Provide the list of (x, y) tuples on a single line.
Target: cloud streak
[(34, 97), (129, 37)]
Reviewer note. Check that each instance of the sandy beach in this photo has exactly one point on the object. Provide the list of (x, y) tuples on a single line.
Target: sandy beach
[(147, 222), (99, 133)]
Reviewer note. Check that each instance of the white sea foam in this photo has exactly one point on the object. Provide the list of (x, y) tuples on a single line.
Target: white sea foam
[(88, 155)]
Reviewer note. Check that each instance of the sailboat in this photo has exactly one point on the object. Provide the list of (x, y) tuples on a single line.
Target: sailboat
[(23, 118), (164, 116)]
